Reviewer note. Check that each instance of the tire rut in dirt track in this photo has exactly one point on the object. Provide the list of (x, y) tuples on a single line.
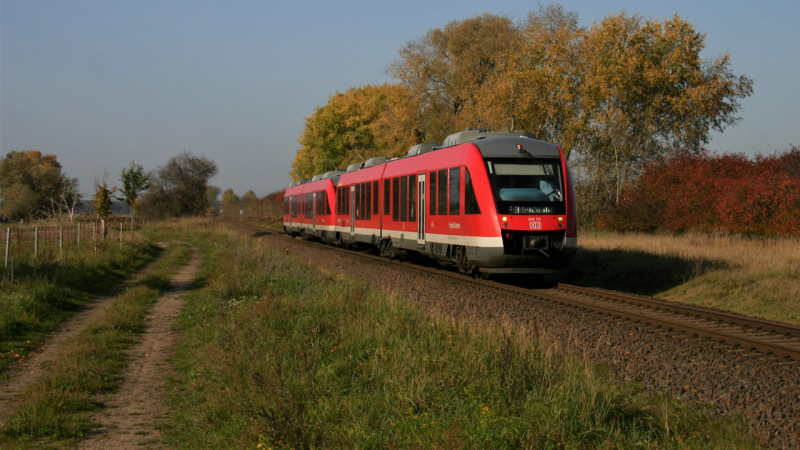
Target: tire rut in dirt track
[(765, 389), (134, 411), (16, 380)]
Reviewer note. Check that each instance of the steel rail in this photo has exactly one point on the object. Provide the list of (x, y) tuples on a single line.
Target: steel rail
[(596, 296), (719, 316)]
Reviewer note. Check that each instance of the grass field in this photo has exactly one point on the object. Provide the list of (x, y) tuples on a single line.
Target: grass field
[(279, 355), (41, 293), (757, 276), (56, 409)]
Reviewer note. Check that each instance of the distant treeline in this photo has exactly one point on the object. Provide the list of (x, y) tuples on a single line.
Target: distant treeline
[(269, 207), (33, 186)]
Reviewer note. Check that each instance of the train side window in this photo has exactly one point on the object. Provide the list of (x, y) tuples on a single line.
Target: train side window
[(368, 202), (432, 196), (387, 192), (412, 198), (403, 199), (395, 199), (455, 199), (375, 197), (361, 212), (442, 179), (364, 200)]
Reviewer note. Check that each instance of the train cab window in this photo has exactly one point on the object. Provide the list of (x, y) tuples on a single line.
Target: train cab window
[(403, 199), (442, 179), (368, 201), (432, 196), (455, 205), (470, 199), (412, 198), (395, 199), (387, 192), (375, 198)]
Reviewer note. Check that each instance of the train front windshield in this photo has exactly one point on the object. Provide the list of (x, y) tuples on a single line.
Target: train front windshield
[(527, 186)]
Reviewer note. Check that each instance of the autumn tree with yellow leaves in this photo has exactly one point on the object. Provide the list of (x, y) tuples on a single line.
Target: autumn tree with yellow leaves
[(355, 125), (614, 96)]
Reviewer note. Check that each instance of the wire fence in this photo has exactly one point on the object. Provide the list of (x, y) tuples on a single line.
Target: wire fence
[(61, 241)]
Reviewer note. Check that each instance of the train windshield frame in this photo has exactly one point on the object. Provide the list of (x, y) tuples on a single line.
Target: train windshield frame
[(527, 186)]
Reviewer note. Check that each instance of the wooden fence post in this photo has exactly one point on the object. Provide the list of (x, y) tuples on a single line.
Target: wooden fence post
[(8, 243)]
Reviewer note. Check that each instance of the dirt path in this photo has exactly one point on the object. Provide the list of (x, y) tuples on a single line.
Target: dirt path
[(138, 406), (17, 379)]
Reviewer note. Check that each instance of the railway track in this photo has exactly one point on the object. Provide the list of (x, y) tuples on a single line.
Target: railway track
[(742, 332)]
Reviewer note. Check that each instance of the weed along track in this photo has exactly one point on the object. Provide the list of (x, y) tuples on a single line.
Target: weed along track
[(729, 362)]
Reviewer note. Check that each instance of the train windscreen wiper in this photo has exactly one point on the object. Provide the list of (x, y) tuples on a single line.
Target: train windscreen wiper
[(555, 191)]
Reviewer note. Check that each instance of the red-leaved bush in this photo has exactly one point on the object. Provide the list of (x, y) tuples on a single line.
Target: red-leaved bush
[(712, 192)]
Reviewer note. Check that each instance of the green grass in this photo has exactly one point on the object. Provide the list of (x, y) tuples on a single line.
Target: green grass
[(59, 405), (279, 354), (45, 292)]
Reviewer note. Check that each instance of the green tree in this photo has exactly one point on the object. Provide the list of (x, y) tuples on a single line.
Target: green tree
[(101, 201), (249, 196), (134, 180), (29, 183), (229, 197), (180, 187)]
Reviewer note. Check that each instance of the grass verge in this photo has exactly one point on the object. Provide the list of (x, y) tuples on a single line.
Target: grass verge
[(44, 293), (757, 276), (58, 406), (279, 355)]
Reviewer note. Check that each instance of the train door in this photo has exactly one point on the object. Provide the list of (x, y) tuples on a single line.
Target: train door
[(314, 211), (353, 211), (421, 208)]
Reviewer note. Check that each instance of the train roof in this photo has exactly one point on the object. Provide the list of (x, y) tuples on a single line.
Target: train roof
[(503, 144), (507, 147), (423, 148), (475, 134)]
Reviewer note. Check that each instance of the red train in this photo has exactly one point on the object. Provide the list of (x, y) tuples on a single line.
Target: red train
[(484, 202)]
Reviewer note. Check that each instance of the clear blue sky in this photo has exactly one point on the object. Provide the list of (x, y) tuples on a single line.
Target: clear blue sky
[(101, 83)]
